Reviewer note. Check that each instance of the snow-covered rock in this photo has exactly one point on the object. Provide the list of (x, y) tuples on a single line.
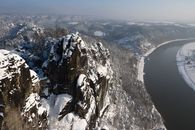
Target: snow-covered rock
[(8, 63), (79, 75), (34, 77), (78, 91), (16, 82)]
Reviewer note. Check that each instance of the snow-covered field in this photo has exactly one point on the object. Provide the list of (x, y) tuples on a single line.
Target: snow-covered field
[(141, 62), (99, 33), (186, 63)]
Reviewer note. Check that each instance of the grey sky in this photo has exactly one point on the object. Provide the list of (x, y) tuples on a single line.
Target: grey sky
[(182, 10)]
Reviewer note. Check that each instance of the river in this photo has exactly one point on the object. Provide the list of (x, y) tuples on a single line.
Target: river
[(173, 98)]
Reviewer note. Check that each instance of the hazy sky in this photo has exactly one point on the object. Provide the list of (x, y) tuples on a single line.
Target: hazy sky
[(135, 9)]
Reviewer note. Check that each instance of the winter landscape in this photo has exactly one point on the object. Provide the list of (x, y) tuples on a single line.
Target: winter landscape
[(72, 65)]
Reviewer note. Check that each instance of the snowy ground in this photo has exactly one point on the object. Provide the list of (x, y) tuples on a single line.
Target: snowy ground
[(99, 33), (186, 63), (141, 62)]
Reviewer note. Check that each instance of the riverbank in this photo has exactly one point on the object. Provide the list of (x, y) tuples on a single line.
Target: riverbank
[(186, 63), (141, 62), (169, 92)]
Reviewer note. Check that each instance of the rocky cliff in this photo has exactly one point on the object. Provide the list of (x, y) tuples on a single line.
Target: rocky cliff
[(81, 88), (16, 82)]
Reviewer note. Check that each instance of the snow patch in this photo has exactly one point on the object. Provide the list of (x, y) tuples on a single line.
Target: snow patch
[(73, 23), (60, 102), (102, 71), (99, 33), (80, 81), (1, 114), (34, 77), (186, 61)]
